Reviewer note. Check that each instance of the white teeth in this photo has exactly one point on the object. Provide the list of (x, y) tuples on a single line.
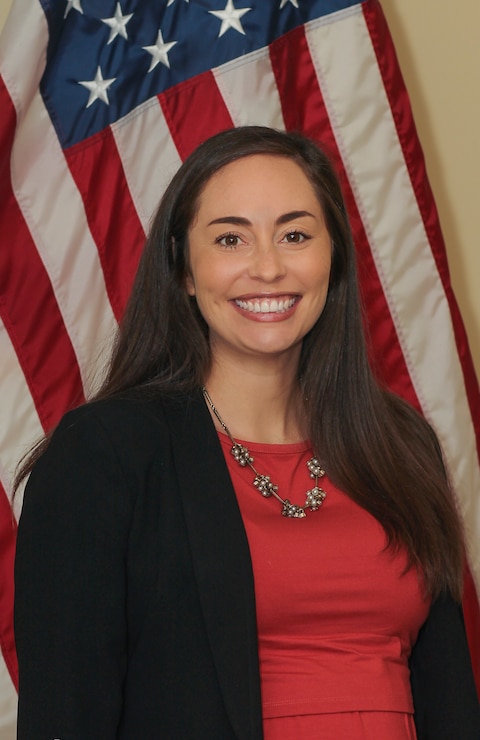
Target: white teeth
[(266, 305)]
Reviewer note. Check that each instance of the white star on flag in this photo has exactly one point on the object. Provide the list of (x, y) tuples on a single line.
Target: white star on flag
[(118, 24), (98, 88), (75, 4), (170, 2), (230, 18), (159, 52), (284, 2)]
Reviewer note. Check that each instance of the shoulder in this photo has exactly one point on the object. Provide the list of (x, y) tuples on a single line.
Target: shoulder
[(115, 443), (132, 422), (113, 415), (105, 458)]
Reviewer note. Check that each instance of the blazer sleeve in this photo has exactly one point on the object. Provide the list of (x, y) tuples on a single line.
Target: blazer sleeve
[(444, 694), (70, 587)]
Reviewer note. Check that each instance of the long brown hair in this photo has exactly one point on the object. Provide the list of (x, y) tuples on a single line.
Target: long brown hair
[(377, 448)]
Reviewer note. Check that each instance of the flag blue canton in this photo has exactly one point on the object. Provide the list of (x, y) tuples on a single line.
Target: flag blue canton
[(105, 58)]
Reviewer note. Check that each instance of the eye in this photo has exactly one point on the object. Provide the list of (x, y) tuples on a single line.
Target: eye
[(230, 241), (295, 237)]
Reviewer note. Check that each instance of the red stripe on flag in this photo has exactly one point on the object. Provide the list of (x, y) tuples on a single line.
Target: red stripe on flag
[(412, 151), (28, 305), (112, 218), (304, 109), (402, 114), (8, 531), (194, 110)]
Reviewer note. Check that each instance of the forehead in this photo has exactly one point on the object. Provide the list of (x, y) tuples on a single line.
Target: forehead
[(258, 175)]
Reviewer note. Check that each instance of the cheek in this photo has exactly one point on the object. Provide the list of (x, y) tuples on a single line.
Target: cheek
[(320, 286), (320, 274)]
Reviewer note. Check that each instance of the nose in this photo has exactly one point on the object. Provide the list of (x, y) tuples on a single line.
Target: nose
[(266, 262)]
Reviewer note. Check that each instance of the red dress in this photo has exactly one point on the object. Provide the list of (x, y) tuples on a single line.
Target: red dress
[(337, 615)]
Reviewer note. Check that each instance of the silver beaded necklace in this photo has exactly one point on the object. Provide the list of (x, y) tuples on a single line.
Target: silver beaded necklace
[(264, 485)]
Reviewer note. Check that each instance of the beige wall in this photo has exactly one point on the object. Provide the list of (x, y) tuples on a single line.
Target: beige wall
[(439, 53), (438, 47), (4, 6)]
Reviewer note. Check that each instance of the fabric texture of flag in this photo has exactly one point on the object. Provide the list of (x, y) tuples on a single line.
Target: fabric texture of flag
[(100, 103)]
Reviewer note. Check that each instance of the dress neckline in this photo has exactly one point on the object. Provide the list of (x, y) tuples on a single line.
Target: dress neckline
[(264, 447)]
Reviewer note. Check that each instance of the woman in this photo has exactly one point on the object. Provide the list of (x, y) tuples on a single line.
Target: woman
[(162, 590)]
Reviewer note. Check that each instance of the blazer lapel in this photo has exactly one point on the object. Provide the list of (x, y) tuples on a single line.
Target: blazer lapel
[(221, 559)]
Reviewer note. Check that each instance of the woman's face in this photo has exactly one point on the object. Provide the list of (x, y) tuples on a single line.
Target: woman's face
[(259, 258)]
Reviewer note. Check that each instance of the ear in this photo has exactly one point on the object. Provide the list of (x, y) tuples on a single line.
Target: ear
[(189, 284)]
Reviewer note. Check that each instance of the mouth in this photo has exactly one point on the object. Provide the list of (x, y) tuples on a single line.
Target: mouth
[(266, 305)]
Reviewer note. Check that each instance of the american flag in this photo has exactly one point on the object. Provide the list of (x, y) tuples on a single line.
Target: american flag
[(100, 103)]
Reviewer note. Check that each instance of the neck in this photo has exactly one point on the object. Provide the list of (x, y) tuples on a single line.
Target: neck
[(258, 406)]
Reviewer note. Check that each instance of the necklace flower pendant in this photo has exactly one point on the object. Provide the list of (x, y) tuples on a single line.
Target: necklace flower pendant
[(265, 485), (315, 469), (315, 498), (241, 454), (292, 511)]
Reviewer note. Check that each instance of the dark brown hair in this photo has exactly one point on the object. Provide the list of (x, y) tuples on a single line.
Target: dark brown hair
[(377, 448)]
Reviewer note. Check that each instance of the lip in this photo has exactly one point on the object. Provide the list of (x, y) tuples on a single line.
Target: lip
[(266, 307)]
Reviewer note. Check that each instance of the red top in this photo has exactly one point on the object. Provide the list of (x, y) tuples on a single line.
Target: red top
[(337, 615)]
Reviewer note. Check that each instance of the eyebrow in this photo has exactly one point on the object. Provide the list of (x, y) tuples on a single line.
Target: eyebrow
[(285, 218)]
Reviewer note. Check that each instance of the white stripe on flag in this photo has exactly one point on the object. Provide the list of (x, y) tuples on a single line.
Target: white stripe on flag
[(53, 210), (365, 131), (68, 252), (148, 169), (8, 704), (249, 90), (21, 426), (23, 44)]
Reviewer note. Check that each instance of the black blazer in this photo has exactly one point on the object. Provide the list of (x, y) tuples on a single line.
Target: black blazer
[(134, 609)]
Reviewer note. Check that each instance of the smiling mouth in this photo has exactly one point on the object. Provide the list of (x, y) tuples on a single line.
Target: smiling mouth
[(266, 305)]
